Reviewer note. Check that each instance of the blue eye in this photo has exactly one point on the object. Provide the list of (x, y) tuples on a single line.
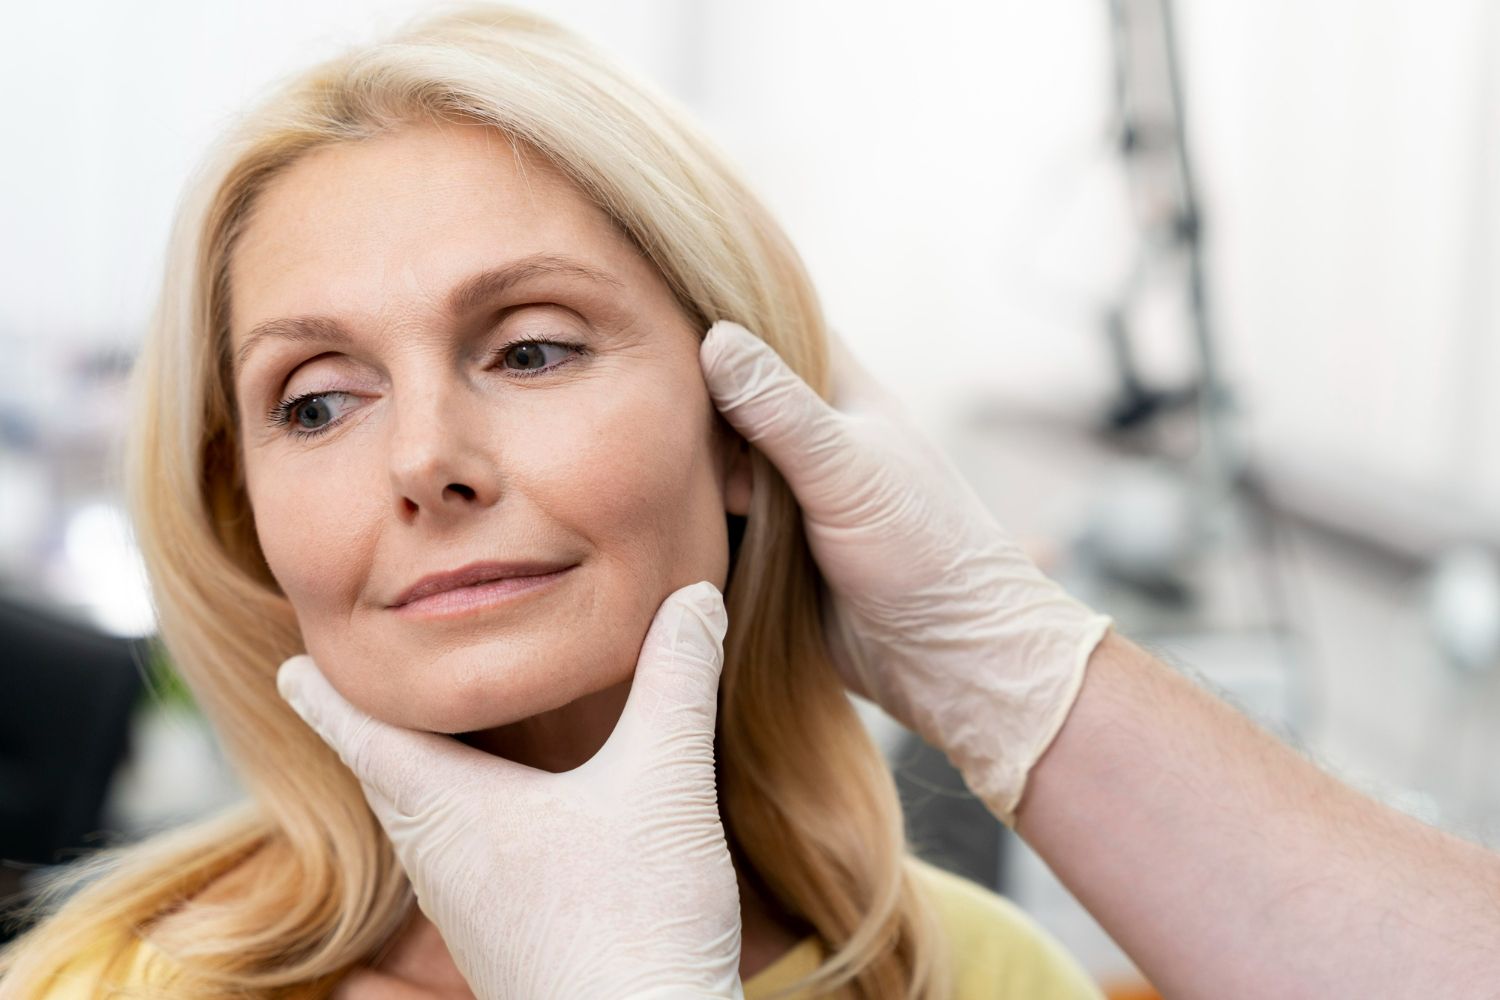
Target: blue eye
[(310, 414), (306, 413)]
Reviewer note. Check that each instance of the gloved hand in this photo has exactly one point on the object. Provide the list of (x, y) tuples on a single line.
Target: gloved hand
[(933, 612), (610, 880)]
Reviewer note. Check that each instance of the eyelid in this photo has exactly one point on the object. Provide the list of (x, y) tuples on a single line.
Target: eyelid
[(497, 355), (281, 413)]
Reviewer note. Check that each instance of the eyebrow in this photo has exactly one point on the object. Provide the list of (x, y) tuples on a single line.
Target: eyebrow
[(467, 295)]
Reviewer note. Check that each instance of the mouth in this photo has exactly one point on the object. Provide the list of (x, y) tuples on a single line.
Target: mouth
[(481, 595)]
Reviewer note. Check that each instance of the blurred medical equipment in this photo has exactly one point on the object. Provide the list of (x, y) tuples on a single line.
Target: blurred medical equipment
[(1148, 530), (1462, 610), (1463, 606), (1178, 539)]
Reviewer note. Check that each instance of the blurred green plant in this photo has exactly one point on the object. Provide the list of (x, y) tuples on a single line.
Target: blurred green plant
[(164, 685)]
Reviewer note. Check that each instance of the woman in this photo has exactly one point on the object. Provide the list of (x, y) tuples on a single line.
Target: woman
[(438, 302)]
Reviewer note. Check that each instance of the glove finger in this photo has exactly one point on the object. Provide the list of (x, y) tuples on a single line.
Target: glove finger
[(676, 684), (403, 766), (774, 409)]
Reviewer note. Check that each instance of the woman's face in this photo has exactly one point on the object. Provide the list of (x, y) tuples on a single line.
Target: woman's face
[(386, 285)]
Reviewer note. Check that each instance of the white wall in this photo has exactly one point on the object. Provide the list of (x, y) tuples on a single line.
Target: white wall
[(1353, 173), (943, 168), (108, 106)]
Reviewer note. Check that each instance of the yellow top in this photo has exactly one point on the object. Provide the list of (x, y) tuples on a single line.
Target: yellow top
[(997, 952)]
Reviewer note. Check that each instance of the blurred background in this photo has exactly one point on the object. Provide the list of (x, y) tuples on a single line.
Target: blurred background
[(1201, 298)]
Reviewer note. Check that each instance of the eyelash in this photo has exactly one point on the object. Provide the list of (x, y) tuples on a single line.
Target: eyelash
[(281, 413)]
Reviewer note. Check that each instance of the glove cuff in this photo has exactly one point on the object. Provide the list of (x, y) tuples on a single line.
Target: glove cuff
[(996, 768)]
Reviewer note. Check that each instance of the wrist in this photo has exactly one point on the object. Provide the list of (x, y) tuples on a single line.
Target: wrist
[(1099, 702), (1011, 713)]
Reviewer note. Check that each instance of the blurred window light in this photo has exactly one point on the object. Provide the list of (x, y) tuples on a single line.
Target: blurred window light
[(1463, 606), (102, 573)]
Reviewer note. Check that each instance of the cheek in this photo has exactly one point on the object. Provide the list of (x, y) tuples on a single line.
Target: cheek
[(633, 477), (315, 521), (620, 472), (633, 473)]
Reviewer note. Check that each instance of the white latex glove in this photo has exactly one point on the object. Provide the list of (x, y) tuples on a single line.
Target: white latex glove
[(934, 612), (610, 880)]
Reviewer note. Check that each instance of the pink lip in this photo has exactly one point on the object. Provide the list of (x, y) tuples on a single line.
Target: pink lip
[(473, 586)]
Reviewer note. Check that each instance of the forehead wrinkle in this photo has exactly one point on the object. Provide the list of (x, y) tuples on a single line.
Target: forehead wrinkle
[(537, 180), (468, 295)]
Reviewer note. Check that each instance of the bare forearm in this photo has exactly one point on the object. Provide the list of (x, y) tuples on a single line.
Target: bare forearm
[(1227, 865)]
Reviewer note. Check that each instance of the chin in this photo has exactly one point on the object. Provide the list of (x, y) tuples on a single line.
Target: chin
[(485, 688)]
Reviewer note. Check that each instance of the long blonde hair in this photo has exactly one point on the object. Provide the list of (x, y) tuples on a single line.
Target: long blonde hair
[(809, 805)]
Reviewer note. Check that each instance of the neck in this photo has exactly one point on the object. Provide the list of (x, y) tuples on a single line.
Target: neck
[(560, 739)]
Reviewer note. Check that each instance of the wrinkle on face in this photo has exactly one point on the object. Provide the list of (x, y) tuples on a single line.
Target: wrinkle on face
[(610, 461)]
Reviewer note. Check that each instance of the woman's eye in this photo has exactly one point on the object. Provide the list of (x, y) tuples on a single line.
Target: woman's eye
[(526, 356), (313, 414), (309, 414)]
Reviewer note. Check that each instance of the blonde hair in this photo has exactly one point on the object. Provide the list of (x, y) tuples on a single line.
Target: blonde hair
[(809, 804)]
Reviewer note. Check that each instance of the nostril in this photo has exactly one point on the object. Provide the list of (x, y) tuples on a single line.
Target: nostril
[(464, 491)]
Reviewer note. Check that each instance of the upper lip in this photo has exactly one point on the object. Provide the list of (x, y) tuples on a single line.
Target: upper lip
[(467, 576)]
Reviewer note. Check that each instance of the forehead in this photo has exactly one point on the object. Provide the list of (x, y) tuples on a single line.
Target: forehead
[(395, 221)]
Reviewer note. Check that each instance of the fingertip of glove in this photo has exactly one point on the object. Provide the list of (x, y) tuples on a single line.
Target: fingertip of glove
[(291, 676), (704, 598), (722, 338), (725, 329)]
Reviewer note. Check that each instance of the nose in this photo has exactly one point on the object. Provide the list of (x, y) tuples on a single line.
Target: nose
[(441, 465)]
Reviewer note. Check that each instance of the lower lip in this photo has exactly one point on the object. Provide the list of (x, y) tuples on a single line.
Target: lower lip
[(466, 600)]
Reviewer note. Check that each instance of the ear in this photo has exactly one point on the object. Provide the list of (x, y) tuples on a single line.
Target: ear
[(737, 475)]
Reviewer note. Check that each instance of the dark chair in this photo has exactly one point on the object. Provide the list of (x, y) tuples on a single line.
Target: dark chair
[(945, 823), (69, 692)]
